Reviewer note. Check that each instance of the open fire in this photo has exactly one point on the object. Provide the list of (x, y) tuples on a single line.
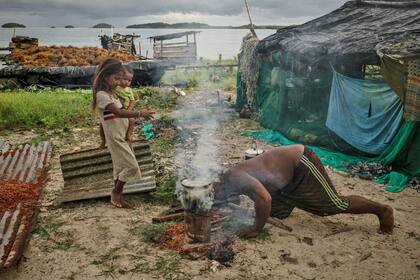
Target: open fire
[(197, 199), (200, 234)]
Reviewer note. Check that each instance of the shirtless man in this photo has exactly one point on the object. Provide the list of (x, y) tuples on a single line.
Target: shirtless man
[(288, 177)]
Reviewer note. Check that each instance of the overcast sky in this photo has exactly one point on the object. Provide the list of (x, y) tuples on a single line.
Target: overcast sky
[(123, 12)]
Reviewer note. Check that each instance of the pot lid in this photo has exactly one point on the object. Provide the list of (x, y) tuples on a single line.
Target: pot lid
[(196, 182), (254, 152)]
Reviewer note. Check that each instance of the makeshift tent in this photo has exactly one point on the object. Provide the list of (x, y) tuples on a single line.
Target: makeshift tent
[(322, 83)]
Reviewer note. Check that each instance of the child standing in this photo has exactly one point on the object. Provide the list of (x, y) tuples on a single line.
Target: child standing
[(126, 96), (114, 120)]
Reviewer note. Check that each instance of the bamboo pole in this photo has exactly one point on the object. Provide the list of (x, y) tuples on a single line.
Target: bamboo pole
[(251, 25)]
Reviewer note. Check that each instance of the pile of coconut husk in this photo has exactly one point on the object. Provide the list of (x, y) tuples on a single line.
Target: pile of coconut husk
[(54, 56)]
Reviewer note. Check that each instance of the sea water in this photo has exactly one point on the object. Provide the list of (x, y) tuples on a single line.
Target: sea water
[(210, 42)]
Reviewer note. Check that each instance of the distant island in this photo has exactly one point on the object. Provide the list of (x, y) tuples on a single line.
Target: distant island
[(197, 25), (168, 25), (13, 25), (102, 25), (69, 26)]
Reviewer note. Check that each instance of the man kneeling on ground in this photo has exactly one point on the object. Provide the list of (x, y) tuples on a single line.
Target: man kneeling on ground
[(288, 177)]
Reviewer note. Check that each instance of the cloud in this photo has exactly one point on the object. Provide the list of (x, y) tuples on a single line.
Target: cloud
[(92, 11)]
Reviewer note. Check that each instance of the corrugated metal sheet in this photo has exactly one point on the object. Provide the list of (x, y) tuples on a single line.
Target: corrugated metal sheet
[(24, 164), (27, 163), (88, 174)]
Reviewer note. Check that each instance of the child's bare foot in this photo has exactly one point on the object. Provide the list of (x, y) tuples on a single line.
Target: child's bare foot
[(386, 220), (117, 201)]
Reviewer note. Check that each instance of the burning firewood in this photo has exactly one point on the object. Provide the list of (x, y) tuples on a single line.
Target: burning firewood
[(168, 218)]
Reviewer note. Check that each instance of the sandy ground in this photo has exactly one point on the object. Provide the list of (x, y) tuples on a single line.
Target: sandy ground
[(93, 240)]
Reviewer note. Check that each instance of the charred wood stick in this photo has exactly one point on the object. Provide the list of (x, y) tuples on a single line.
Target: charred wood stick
[(218, 221), (276, 222), (216, 229), (195, 247), (168, 218), (226, 201), (172, 210), (244, 210)]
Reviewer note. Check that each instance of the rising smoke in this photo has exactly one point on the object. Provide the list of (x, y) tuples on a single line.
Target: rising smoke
[(198, 119)]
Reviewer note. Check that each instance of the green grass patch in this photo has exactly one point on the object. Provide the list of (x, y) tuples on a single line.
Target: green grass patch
[(208, 79), (169, 267), (155, 98), (47, 109), (109, 256), (48, 229), (107, 263), (161, 145), (165, 189), (38, 139), (166, 267), (49, 225)]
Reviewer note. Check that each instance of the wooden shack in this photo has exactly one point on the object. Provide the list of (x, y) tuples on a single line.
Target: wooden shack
[(183, 50), (120, 42), (23, 42)]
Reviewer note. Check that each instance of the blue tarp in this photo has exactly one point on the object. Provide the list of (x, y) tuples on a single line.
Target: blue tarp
[(365, 113)]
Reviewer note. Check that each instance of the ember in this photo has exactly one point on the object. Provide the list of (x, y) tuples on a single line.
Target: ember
[(173, 238), (219, 248)]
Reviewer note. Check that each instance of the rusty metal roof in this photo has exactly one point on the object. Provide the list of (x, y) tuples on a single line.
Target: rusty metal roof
[(26, 163), (88, 174)]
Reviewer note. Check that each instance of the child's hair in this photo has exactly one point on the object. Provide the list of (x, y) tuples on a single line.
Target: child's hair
[(128, 69), (110, 66)]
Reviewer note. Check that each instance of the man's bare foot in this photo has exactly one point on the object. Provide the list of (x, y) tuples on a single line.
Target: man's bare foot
[(386, 220), (117, 201)]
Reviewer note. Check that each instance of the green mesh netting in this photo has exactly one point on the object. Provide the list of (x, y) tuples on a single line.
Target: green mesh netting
[(396, 181), (334, 159), (294, 102)]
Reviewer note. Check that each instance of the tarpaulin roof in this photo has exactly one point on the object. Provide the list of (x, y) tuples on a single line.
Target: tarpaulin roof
[(172, 35), (356, 29)]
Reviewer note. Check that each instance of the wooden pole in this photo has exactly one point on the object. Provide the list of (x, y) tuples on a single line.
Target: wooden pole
[(195, 48), (139, 48), (251, 25)]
